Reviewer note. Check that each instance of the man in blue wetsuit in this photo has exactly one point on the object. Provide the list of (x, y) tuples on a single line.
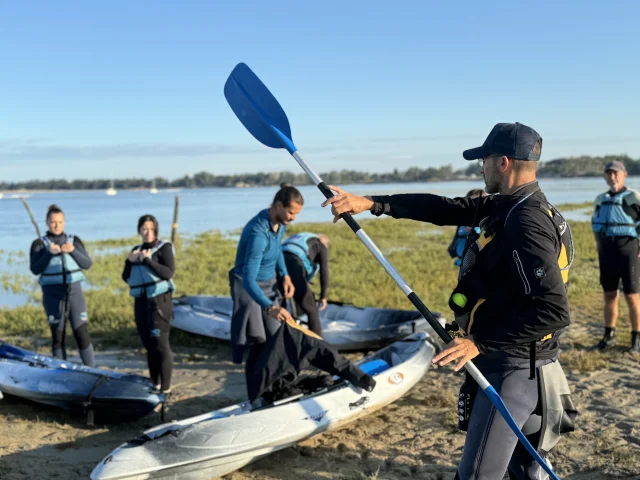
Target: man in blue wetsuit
[(276, 352), (257, 310)]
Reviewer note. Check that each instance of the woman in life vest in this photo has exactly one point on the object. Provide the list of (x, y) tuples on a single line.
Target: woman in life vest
[(59, 259), (148, 271)]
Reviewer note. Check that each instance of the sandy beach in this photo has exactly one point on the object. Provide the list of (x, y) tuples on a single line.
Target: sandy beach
[(416, 437)]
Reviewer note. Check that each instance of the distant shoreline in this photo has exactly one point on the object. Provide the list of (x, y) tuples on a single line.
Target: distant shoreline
[(583, 166), (179, 189), (170, 190), (16, 193)]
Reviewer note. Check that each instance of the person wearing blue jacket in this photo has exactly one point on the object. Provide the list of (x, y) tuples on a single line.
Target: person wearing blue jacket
[(59, 259), (257, 310)]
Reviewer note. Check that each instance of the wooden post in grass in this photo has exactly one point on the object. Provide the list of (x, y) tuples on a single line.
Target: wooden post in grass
[(174, 225)]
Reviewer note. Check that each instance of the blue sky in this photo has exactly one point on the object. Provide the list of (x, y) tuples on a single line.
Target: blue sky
[(134, 88)]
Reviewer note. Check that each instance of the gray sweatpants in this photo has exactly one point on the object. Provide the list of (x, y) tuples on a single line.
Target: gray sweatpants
[(491, 448)]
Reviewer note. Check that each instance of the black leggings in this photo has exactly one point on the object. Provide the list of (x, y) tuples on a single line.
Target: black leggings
[(67, 301), (254, 348), (153, 317), (303, 294)]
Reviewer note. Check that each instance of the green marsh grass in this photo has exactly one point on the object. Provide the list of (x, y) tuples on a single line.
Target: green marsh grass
[(417, 250)]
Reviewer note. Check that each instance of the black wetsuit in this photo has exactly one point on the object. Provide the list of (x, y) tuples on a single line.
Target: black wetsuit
[(303, 295), (64, 299), (525, 300), (153, 316)]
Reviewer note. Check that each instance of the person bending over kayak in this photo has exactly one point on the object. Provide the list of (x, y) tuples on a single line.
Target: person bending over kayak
[(306, 254), (257, 310), (148, 271), (510, 303), (60, 258), (459, 242)]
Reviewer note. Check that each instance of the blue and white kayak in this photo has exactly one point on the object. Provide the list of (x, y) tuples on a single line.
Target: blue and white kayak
[(109, 396), (219, 442), (344, 326)]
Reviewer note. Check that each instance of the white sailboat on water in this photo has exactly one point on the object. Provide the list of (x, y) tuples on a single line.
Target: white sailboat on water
[(111, 191), (153, 188)]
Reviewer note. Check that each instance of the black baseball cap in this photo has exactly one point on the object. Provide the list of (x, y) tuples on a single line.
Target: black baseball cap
[(513, 140)]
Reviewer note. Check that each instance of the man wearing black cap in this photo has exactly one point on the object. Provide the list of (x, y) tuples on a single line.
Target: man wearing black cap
[(511, 299), (616, 228)]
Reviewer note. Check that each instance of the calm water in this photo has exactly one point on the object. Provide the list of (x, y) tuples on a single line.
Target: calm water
[(96, 216)]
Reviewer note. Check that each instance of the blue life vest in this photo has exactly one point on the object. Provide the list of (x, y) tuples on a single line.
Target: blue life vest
[(297, 245), (610, 219), (62, 268), (144, 282), (459, 242)]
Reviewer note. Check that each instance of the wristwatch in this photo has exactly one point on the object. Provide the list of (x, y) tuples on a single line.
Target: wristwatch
[(269, 308), (377, 208)]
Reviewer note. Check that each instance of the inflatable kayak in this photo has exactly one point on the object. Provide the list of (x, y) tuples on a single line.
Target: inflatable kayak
[(346, 327), (219, 442), (107, 395)]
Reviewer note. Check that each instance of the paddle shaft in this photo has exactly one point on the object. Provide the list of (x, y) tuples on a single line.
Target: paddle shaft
[(390, 269), (33, 220), (488, 389)]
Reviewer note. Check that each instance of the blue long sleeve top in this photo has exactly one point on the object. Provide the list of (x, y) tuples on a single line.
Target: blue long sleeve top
[(259, 257)]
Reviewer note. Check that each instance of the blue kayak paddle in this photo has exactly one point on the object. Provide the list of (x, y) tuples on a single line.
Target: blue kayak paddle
[(264, 118)]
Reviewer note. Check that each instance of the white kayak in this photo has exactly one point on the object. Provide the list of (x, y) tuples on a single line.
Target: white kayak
[(346, 327), (219, 442)]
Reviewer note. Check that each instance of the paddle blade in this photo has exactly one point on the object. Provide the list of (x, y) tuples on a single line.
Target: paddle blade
[(258, 109)]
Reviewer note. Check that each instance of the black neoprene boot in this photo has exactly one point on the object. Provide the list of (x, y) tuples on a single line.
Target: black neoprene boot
[(635, 342), (608, 340)]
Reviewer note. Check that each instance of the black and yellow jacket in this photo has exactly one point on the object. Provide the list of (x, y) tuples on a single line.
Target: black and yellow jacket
[(518, 271)]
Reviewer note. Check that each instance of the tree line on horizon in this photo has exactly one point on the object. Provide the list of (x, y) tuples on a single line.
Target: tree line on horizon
[(583, 166)]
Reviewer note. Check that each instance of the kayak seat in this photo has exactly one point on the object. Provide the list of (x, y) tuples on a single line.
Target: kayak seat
[(373, 367)]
